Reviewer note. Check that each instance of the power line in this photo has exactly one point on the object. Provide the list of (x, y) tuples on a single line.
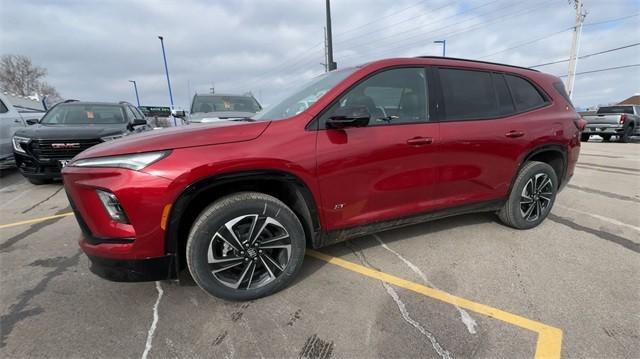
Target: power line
[(602, 70), (588, 55)]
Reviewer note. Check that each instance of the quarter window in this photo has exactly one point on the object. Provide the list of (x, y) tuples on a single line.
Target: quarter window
[(505, 103), (468, 94), (525, 95), (3, 108), (392, 97)]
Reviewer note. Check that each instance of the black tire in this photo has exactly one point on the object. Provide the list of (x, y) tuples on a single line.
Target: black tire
[(584, 137), (606, 138), (514, 212), (214, 220), (37, 181), (626, 136)]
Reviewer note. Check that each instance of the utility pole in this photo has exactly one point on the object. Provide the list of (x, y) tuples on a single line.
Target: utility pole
[(326, 53), (331, 65), (581, 13)]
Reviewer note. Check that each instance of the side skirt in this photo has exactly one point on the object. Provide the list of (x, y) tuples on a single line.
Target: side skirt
[(343, 234)]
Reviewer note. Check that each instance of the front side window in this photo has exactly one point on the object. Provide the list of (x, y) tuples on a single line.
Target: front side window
[(467, 94), (138, 115), (525, 95), (391, 97), (76, 114)]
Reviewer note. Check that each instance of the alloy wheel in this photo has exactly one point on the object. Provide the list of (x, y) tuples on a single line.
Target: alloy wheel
[(536, 197), (249, 252)]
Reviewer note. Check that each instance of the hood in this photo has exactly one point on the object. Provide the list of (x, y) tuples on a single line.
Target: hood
[(83, 132), (179, 137), (218, 116)]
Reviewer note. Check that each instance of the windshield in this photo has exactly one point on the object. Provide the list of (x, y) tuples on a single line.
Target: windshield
[(617, 109), (74, 114), (302, 98), (221, 103)]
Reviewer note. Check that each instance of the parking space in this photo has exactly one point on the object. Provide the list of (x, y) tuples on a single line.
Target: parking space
[(577, 272)]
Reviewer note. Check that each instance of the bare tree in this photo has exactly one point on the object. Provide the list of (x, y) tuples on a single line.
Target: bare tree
[(20, 76)]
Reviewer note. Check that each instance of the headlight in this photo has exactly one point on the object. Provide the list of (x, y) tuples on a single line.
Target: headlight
[(112, 137), (17, 143), (136, 161)]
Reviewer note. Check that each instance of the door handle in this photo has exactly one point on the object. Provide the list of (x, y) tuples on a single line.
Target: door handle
[(419, 141), (514, 134)]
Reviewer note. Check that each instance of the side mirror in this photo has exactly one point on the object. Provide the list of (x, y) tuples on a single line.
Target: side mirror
[(349, 116), (138, 122), (179, 114), (31, 121)]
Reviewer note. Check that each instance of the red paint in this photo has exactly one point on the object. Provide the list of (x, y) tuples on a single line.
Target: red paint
[(377, 173)]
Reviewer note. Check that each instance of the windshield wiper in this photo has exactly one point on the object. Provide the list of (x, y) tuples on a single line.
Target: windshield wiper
[(246, 119)]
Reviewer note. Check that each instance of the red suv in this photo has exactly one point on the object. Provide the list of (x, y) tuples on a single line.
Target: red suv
[(352, 152)]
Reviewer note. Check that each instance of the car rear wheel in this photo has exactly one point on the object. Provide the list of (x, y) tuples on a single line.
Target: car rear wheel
[(245, 246), (532, 196), (584, 137), (626, 135)]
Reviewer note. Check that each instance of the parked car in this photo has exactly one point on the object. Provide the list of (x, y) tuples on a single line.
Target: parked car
[(219, 107), (67, 129), (387, 144), (12, 118), (620, 120)]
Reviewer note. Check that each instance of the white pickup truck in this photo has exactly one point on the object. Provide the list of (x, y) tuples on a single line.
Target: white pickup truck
[(621, 121), (12, 117)]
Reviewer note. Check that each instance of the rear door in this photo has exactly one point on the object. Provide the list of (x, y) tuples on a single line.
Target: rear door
[(10, 121), (477, 155), (386, 169)]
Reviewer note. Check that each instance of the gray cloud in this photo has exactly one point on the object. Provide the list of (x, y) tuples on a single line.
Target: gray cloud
[(91, 49)]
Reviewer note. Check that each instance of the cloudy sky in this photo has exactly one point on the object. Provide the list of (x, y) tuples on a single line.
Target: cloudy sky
[(92, 48)]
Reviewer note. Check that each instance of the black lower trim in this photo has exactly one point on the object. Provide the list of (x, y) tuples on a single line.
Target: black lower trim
[(343, 234), (140, 270)]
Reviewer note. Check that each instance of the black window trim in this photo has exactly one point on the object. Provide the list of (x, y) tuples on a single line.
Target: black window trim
[(548, 100), (4, 106), (314, 124)]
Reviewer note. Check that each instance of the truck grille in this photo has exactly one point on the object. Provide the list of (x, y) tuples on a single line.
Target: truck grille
[(60, 148)]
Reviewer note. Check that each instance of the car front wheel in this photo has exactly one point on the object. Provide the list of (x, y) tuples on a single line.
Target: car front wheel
[(532, 196), (245, 246)]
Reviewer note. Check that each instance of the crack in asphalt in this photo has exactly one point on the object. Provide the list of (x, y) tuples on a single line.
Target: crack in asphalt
[(624, 242), (154, 323), (402, 307), (610, 167), (17, 310), (43, 201), (6, 245), (599, 169)]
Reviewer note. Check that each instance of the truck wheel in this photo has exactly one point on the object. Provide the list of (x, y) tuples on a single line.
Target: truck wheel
[(584, 137), (245, 246), (626, 136), (37, 181), (532, 196), (606, 138)]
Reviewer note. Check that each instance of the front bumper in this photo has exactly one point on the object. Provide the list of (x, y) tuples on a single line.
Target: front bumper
[(29, 166), (139, 270)]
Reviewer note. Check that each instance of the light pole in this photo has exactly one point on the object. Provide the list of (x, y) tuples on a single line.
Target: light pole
[(135, 87), (444, 46), (166, 70)]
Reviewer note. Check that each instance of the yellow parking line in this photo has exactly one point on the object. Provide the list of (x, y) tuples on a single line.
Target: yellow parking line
[(549, 338), (34, 220)]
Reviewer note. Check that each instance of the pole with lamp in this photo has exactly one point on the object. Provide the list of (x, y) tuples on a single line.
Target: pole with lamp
[(166, 70)]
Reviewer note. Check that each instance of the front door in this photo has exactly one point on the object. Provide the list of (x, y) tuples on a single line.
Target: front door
[(386, 169)]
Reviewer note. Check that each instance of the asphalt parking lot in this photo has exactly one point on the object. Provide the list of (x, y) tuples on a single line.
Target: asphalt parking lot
[(461, 287)]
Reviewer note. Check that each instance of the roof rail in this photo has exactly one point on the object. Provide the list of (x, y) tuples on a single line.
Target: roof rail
[(476, 61), (70, 100)]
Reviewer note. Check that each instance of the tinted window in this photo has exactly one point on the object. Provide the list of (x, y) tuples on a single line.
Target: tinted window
[(505, 103), (80, 114), (467, 94), (563, 92), (393, 96), (525, 95), (3, 108), (221, 103), (616, 109)]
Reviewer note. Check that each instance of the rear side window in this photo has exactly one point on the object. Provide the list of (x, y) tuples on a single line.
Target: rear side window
[(559, 86), (468, 94), (505, 103), (3, 108), (525, 95)]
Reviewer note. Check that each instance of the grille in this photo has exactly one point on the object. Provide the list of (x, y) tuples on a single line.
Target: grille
[(44, 149)]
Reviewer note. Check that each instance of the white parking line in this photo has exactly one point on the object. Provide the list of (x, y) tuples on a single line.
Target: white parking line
[(602, 218)]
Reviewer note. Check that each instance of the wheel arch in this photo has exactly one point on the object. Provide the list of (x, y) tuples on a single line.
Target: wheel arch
[(287, 187), (553, 154)]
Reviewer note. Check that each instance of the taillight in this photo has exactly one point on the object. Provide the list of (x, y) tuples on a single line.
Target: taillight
[(580, 123), (623, 118)]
